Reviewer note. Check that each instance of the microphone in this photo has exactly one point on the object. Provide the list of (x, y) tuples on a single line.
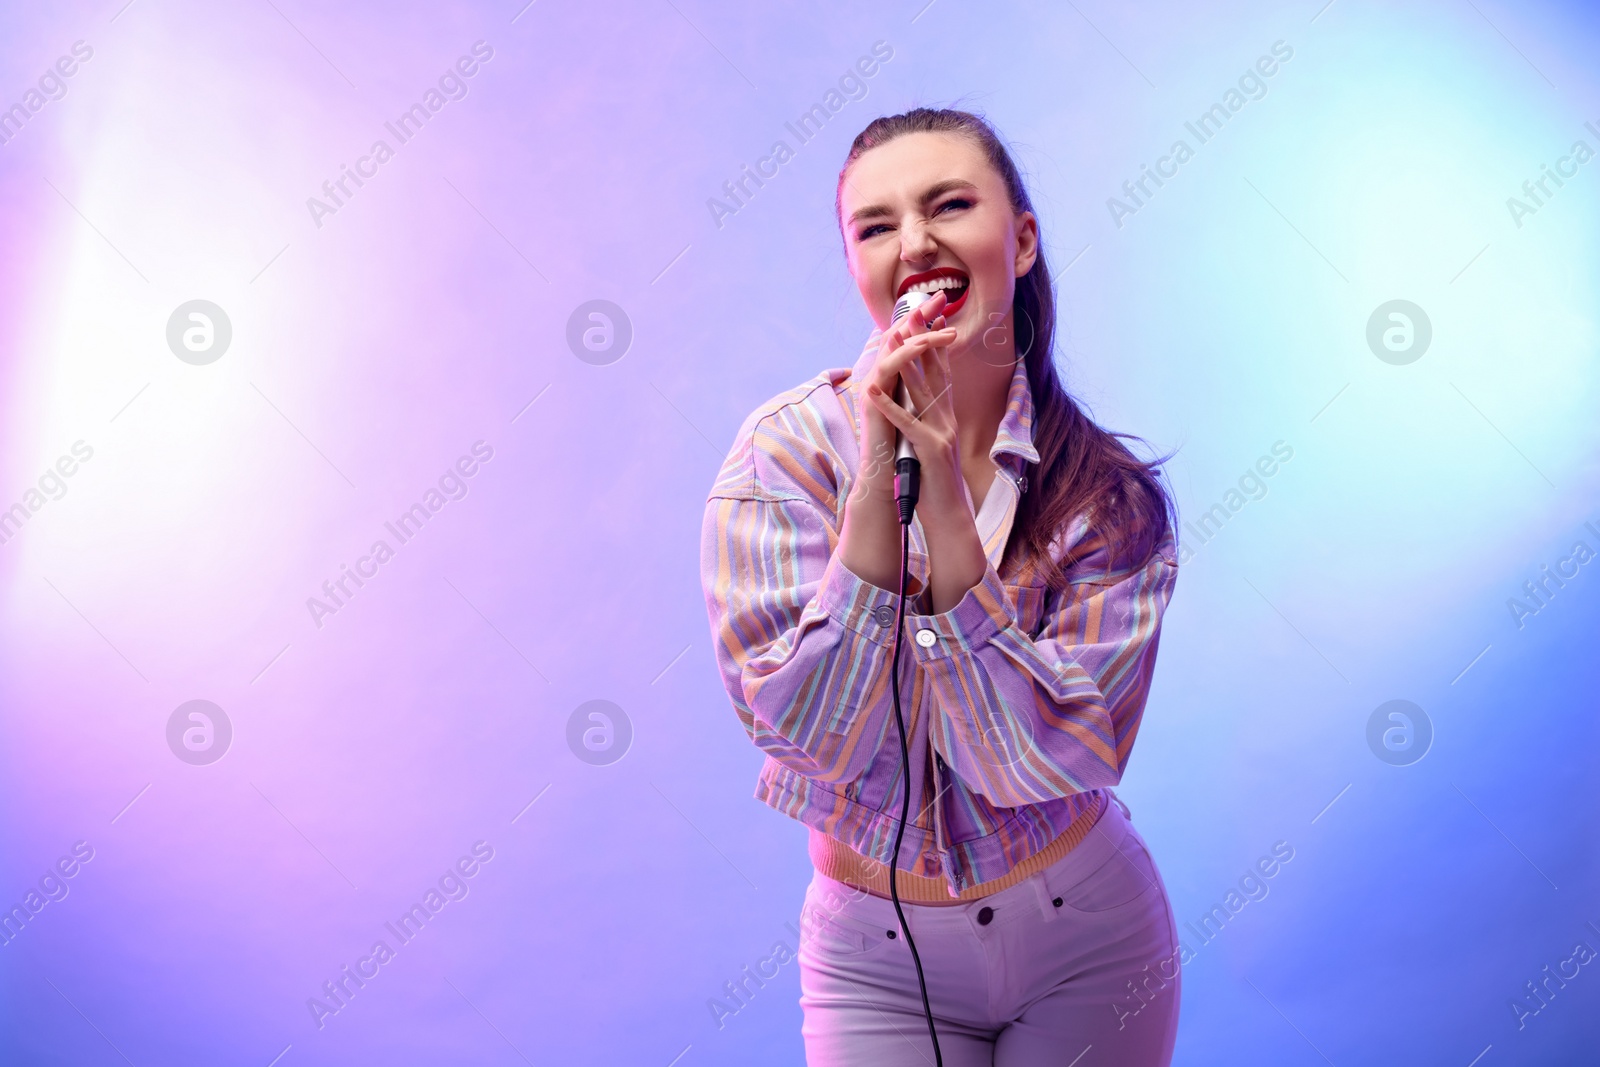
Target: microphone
[(907, 477), (907, 470)]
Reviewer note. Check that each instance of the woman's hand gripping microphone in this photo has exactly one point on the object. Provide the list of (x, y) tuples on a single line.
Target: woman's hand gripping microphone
[(907, 469)]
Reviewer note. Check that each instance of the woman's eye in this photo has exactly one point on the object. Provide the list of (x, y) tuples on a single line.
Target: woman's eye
[(870, 231), (954, 202)]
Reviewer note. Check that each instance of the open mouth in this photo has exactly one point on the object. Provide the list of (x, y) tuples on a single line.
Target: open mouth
[(953, 283)]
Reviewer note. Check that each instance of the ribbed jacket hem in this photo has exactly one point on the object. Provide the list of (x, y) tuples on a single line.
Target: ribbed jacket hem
[(838, 861)]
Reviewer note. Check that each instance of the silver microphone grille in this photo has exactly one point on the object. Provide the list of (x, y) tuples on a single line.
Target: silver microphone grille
[(906, 304)]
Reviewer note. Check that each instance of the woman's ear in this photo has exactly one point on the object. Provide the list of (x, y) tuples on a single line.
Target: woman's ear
[(1027, 243)]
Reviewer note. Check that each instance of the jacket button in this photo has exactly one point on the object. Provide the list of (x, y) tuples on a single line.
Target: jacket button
[(927, 638), (1056, 902), (985, 914)]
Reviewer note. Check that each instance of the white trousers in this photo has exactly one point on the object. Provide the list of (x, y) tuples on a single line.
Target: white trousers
[(1077, 965)]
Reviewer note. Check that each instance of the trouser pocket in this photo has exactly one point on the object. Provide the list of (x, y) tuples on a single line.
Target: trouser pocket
[(836, 924)]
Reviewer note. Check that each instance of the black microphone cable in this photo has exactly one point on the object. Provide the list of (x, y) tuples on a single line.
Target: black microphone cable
[(907, 487)]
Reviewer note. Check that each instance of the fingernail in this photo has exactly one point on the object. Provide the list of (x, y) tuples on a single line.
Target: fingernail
[(872, 388)]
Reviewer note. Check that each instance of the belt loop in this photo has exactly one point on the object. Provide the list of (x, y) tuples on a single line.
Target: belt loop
[(1047, 910), (1126, 813)]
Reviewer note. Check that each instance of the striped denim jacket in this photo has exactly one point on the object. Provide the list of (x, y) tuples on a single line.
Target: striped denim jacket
[(1030, 699)]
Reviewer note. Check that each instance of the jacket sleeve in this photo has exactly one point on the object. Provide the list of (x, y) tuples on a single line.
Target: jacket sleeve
[(1025, 719), (797, 636)]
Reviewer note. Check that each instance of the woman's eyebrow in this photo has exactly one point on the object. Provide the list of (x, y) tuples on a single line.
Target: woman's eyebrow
[(934, 191), (938, 189)]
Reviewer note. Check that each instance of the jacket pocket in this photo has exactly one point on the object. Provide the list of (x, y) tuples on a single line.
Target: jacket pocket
[(1029, 599)]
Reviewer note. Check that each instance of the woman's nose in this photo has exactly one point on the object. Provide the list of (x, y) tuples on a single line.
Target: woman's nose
[(915, 243)]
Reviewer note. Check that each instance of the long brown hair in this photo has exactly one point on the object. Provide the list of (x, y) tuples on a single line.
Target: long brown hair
[(1082, 468)]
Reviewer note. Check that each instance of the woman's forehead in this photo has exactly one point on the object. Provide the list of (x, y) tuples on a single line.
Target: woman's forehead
[(910, 163)]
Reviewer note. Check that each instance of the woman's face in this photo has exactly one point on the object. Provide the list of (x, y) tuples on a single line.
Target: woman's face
[(926, 210)]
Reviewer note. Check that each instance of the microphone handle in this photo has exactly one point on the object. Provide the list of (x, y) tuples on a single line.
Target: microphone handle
[(903, 449)]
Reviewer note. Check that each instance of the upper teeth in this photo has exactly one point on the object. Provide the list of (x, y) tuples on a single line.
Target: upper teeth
[(933, 285)]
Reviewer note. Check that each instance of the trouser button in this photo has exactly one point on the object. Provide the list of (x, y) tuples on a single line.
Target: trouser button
[(985, 914)]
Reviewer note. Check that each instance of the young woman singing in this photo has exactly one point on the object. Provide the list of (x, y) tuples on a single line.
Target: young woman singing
[(1042, 557)]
